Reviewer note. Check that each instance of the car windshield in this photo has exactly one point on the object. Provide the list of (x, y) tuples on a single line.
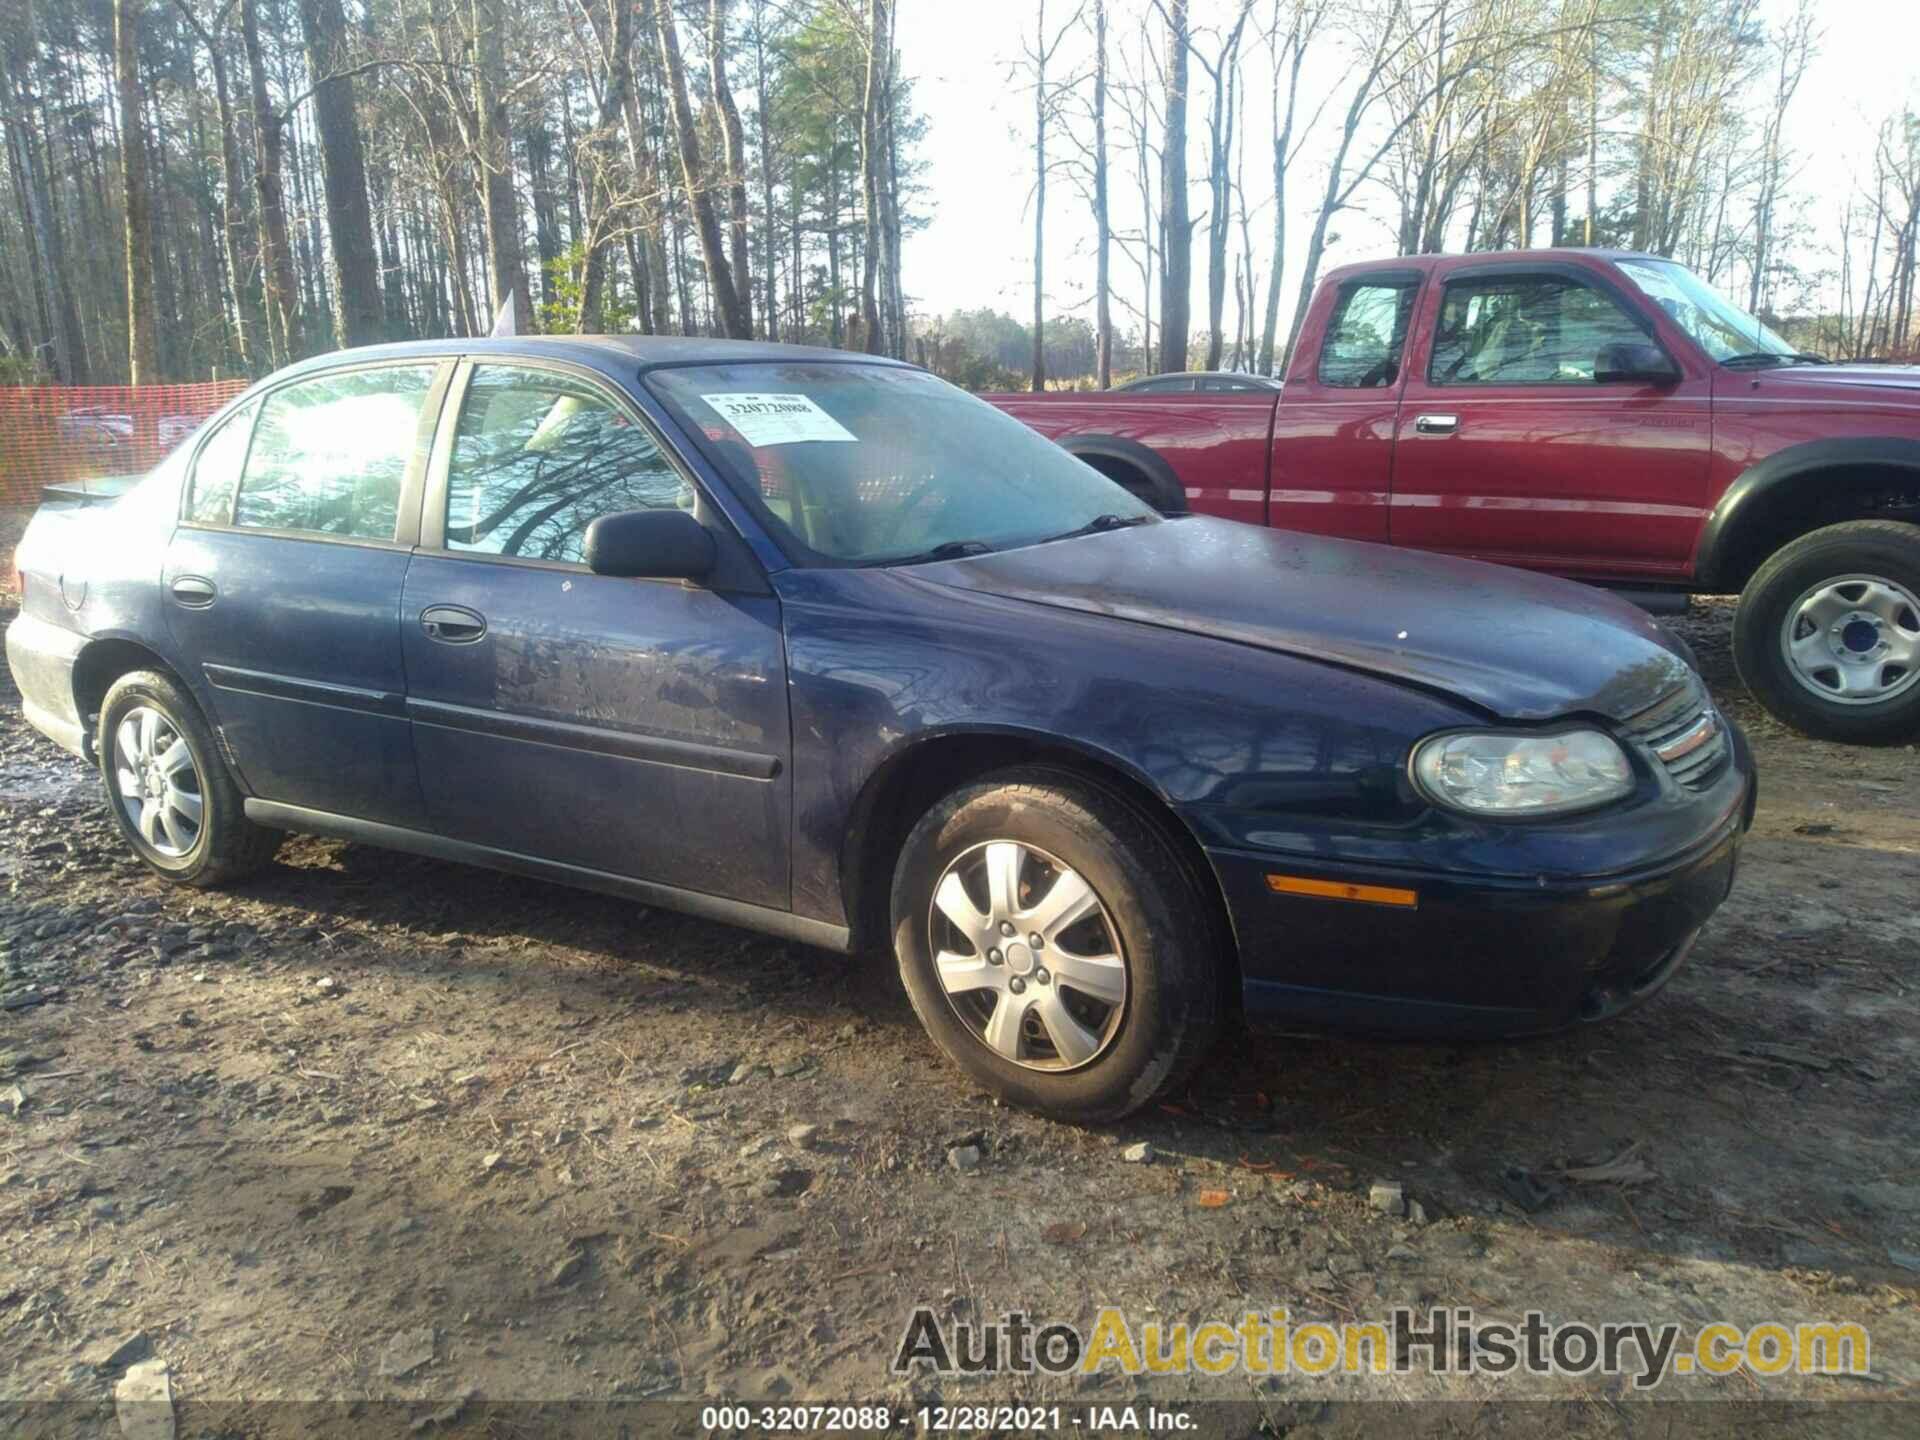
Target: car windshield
[(1717, 326), (861, 464)]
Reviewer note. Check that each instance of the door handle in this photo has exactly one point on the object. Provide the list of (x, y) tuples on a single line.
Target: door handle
[(193, 591), (453, 624), (1436, 424)]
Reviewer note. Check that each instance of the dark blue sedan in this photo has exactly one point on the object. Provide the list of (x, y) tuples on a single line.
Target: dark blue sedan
[(818, 644)]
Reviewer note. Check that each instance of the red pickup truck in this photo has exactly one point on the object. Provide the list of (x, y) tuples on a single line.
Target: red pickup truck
[(1599, 415)]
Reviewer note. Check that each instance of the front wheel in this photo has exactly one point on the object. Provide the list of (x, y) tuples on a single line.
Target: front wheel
[(1827, 635), (1055, 946)]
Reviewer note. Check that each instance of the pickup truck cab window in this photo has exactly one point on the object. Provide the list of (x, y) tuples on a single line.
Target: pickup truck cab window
[(538, 456), (1525, 330), (216, 472), (329, 455), (1367, 334)]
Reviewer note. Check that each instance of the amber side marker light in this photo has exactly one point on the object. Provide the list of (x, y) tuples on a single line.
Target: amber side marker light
[(1339, 890)]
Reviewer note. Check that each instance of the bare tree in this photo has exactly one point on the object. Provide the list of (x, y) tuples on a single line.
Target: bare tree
[(493, 155), (1700, 55), (1040, 52), (1391, 37), (43, 240), (1223, 71), (1794, 48), (233, 214), (734, 147), (1289, 52), (1102, 219), (1176, 225), (613, 32), (358, 314), (137, 231), (879, 45), (734, 318)]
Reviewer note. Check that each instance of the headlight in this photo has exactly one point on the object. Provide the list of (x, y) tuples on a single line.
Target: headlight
[(1522, 774)]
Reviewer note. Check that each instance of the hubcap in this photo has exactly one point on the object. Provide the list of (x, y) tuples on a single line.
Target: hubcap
[(1854, 640), (1028, 956), (158, 786)]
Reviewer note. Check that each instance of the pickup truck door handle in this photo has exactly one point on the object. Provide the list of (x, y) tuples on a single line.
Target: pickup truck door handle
[(1436, 424), (453, 624), (193, 591)]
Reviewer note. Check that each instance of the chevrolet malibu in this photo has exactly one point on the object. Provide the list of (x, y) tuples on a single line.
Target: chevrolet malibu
[(817, 644)]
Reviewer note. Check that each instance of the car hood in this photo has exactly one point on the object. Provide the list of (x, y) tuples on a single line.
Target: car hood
[(1875, 377), (1519, 646)]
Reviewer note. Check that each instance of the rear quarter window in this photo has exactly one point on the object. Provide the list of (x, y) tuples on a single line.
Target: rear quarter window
[(1367, 334), (216, 472)]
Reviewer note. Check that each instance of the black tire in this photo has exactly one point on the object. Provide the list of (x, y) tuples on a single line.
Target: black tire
[(227, 846), (1168, 499), (1885, 549), (1154, 908)]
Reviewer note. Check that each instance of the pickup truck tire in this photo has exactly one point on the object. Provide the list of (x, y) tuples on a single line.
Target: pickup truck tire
[(169, 789), (1120, 998), (1827, 635)]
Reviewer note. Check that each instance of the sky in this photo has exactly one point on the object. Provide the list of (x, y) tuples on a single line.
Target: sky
[(978, 247)]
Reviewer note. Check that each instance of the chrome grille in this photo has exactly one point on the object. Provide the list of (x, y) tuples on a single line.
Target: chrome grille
[(1685, 734)]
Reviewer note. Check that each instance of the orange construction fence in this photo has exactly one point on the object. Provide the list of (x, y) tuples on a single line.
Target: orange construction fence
[(55, 434)]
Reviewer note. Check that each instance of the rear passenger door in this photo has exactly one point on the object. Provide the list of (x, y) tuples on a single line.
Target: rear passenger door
[(633, 727), (282, 585)]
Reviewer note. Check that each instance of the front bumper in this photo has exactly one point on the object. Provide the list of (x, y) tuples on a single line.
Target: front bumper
[(41, 657), (1472, 956)]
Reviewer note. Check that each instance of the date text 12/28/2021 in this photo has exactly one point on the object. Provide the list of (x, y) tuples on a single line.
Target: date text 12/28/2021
[(928, 1419)]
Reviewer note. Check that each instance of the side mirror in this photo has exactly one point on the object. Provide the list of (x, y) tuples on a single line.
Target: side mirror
[(650, 544), (1632, 362)]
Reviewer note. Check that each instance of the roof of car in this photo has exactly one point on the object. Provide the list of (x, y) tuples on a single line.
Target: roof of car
[(1457, 259), (619, 353)]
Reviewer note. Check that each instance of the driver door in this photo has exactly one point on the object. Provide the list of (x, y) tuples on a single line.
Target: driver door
[(1507, 448), (634, 727)]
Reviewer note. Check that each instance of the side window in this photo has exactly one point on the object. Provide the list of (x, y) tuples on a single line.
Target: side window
[(216, 473), (1525, 330), (1368, 332), (538, 456), (329, 454)]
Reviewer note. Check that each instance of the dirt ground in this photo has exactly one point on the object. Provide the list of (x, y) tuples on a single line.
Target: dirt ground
[(381, 1129)]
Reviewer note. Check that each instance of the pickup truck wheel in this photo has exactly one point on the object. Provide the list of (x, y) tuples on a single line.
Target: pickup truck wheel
[(1047, 937), (1828, 632), (168, 788)]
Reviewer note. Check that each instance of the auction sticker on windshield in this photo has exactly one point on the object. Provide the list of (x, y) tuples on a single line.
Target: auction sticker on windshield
[(764, 420)]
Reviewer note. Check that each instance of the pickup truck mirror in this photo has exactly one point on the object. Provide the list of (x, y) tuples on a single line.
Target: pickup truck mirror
[(650, 544), (1629, 362)]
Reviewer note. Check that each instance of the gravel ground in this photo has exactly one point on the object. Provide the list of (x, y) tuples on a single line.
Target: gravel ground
[(382, 1129)]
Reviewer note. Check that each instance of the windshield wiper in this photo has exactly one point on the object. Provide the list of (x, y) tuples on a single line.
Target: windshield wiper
[(1096, 525), (1777, 357), (945, 550)]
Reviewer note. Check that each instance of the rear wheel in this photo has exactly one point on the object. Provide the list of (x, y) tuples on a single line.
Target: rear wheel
[(169, 791), (1828, 632), (1054, 945)]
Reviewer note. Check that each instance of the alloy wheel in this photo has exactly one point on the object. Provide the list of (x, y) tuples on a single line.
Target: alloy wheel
[(1028, 956), (156, 782), (1854, 639)]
